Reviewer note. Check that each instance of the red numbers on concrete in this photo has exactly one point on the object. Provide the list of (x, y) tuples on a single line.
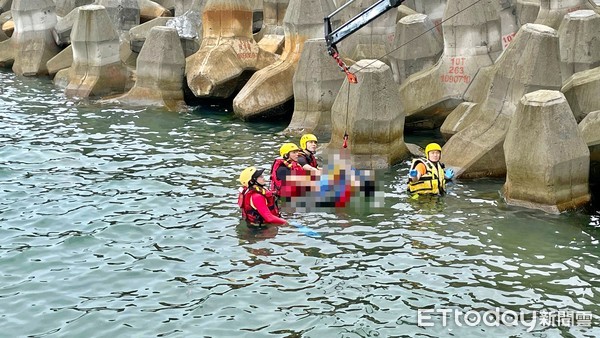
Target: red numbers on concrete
[(244, 50), (456, 72), (506, 39)]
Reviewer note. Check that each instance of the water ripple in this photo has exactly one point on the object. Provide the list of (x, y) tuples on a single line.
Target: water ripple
[(123, 222)]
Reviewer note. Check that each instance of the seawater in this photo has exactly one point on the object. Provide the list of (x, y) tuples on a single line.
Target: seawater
[(122, 222)]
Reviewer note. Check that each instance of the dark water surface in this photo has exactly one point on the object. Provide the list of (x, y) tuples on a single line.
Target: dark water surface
[(122, 222)]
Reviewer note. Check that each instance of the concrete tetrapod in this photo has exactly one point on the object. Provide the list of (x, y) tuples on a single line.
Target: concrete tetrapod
[(407, 61), (372, 115), (552, 11), (182, 6), (508, 22), (434, 10), (160, 71), (189, 28), (32, 39), (227, 50), (60, 61), (63, 28), (579, 38), (64, 7), (3, 36), (316, 85), (581, 90), (372, 41), (97, 69), (546, 158), (530, 62), (5, 5), (271, 87), (271, 36), (151, 10), (139, 33), (471, 41), (124, 14), (527, 11), (590, 131)]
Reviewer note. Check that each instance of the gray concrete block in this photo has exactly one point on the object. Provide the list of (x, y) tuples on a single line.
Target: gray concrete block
[(476, 149), (97, 69), (160, 72), (3, 36), (271, 87), (182, 6), (508, 23), (124, 14), (547, 160), (62, 60), (168, 4), (372, 41), (552, 11), (316, 84), (7, 54), (372, 115), (271, 36), (527, 11), (138, 34), (590, 131), (227, 50), (579, 38), (471, 41), (5, 5), (581, 91), (150, 10), (32, 39), (417, 46), (433, 9), (189, 29), (63, 28), (64, 7)]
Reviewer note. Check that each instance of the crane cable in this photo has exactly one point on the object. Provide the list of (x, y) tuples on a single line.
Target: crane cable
[(352, 79)]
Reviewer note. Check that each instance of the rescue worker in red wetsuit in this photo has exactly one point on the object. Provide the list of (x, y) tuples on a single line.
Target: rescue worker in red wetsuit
[(287, 175), (257, 203), (306, 158)]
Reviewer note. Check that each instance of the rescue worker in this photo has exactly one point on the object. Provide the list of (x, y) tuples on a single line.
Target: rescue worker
[(284, 168), (257, 203), (427, 175), (307, 159)]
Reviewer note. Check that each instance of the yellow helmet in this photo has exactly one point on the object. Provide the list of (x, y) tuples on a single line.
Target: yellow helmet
[(286, 148), (305, 138), (249, 174), (432, 147)]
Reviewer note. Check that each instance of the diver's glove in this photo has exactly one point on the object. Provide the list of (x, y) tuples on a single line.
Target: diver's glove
[(449, 173), (412, 173)]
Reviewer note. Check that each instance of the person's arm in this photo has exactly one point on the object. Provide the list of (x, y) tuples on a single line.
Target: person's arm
[(421, 170), (303, 161), (282, 173), (259, 203), (310, 168)]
